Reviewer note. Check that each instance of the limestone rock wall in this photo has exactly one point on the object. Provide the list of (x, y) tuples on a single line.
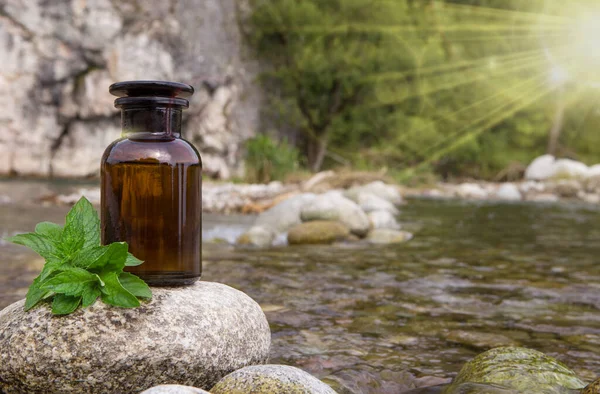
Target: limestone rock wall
[(58, 57)]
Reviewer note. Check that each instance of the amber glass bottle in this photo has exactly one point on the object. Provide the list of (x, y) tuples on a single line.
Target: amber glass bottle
[(152, 184)]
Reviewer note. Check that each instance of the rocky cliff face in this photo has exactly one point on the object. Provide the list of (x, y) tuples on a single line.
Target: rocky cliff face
[(57, 59)]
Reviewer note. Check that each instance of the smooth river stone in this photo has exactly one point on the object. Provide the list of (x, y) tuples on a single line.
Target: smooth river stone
[(190, 335), (271, 379), (174, 389)]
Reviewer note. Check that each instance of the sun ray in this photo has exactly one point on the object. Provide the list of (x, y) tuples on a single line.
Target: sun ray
[(461, 81), (493, 121), (391, 29), (509, 14), (471, 107), (464, 65)]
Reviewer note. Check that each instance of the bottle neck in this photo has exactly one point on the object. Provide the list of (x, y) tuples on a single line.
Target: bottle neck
[(151, 122)]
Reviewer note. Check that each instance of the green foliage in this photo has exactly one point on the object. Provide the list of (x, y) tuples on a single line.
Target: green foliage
[(267, 160), (78, 269), (461, 87)]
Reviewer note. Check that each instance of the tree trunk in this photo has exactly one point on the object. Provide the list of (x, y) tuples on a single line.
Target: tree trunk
[(316, 149)]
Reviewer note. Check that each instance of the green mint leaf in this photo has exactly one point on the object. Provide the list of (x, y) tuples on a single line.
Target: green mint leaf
[(64, 304), (78, 268), (85, 257), (84, 216), (40, 244), (90, 295), (132, 261), (111, 260), (71, 282), (50, 230), (35, 294), (72, 237), (113, 293), (135, 285), (51, 268)]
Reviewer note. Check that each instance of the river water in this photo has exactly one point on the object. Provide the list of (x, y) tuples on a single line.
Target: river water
[(385, 319)]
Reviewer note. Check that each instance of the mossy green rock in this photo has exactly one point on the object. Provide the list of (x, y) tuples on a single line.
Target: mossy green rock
[(520, 369), (318, 232), (271, 379)]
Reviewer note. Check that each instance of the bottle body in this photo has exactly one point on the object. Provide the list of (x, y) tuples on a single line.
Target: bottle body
[(151, 196)]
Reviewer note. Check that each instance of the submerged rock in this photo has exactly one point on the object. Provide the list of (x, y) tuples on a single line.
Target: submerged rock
[(174, 389), (318, 232), (478, 339), (271, 379), (388, 236), (520, 369), (333, 206), (257, 236), (191, 335)]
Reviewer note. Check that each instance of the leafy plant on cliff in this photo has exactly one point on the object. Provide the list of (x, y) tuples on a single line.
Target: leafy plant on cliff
[(78, 268), (267, 160)]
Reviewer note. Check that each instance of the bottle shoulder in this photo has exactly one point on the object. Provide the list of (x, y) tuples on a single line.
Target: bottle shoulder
[(172, 151)]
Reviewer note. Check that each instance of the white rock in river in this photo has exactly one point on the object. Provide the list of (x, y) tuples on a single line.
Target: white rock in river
[(387, 192), (191, 335), (383, 219), (387, 236), (541, 168), (569, 169), (593, 171), (369, 202), (333, 206), (258, 236), (284, 215), (174, 389), (509, 192), (592, 181), (271, 379), (471, 190), (544, 197)]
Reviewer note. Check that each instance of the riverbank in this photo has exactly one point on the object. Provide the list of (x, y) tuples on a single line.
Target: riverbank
[(230, 198), (547, 179)]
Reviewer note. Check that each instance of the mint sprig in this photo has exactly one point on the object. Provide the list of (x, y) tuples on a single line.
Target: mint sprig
[(78, 268)]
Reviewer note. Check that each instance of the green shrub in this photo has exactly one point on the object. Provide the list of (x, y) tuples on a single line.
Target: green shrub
[(267, 160)]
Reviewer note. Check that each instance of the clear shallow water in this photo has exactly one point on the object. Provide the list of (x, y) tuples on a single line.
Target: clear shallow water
[(387, 319)]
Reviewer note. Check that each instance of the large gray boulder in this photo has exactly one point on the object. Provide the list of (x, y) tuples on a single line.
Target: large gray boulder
[(333, 206), (190, 335), (284, 215), (271, 379)]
